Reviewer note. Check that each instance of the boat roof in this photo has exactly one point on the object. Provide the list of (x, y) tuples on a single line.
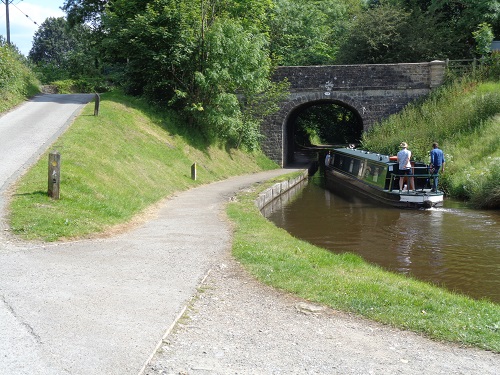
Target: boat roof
[(363, 154)]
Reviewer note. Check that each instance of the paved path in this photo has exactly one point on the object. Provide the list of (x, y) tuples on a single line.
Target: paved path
[(27, 131), (99, 306), (236, 325)]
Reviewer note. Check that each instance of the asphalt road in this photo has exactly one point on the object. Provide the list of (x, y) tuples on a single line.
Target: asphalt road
[(99, 306), (31, 128)]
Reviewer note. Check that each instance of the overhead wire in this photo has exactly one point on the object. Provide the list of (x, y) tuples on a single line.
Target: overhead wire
[(28, 17)]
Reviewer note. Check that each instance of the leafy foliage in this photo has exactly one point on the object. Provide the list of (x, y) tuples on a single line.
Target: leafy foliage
[(60, 52), (464, 16), (327, 124), (85, 11), (235, 76), (212, 59), (392, 34), (483, 37), (17, 81), (156, 47), (196, 58), (414, 30), (308, 33), (461, 18)]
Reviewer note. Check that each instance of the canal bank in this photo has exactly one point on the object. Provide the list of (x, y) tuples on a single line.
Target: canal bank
[(348, 283), (237, 325), (454, 246), (281, 190)]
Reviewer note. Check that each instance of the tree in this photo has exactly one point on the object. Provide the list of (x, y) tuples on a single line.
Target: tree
[(235, 91), (462, 17), (52, 42), (308, 33), (84, 11), (391, 34), (63, 52), (204, 56), (465, 15), (211, 57), (158, 47), (483, 37)]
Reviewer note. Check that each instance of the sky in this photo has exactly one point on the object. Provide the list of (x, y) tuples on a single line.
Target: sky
[(22, 15)]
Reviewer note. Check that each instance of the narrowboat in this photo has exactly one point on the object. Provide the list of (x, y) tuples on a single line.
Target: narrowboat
[(376, 176)]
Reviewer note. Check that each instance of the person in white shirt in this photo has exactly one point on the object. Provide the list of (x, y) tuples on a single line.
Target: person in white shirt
[(404, 157)]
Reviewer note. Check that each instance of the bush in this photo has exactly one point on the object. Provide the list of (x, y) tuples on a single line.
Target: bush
[(82, 85), (17, 81)]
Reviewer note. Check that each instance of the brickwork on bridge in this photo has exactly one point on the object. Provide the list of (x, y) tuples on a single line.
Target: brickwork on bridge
[(371, 92)]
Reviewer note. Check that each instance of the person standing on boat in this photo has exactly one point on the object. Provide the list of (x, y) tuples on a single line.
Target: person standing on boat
[(328, 158), (404, 157), (437, 163)]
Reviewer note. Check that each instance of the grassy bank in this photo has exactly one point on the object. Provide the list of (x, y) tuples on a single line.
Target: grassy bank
[(17, 81), (348, 283), (464, 117), (116, 165)]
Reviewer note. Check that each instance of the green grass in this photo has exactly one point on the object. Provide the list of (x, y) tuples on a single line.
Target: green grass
[(17, 81), (114, 166), (346, 282)]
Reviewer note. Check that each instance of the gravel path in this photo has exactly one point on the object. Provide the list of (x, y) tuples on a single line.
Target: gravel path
[(236, 325)]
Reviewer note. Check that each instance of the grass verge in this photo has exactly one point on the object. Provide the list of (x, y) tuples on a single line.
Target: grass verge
[(114, 166), (346, 282)]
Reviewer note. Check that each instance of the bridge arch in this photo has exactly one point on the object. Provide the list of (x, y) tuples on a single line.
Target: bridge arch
[(300, 105), (371, 91)]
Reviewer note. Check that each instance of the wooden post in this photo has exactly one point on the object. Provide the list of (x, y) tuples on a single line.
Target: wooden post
[(54, 174), (193, 172), (97, 103)]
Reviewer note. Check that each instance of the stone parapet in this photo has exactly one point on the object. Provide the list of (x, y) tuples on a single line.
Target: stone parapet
[(275, 191)]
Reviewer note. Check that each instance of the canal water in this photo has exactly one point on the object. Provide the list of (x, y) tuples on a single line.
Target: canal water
[(454, 247)]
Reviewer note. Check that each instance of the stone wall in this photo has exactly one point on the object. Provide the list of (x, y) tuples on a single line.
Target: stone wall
[(278, 189), (371, 92), (356, 77)]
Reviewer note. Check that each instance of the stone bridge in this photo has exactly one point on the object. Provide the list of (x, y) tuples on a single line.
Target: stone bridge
[(371, 92)]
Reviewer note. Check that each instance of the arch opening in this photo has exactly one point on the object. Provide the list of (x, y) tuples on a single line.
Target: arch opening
[(320, 124)]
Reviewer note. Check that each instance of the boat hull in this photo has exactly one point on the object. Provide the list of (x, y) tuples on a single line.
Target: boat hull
[(421, 198)]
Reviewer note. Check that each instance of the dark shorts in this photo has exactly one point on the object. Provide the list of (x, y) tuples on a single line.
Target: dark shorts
[(406, 171)]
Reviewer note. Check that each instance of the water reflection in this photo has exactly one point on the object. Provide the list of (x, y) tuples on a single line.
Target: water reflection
[(454, 247)]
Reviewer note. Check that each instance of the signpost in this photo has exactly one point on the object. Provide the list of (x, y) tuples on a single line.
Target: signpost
[(54, 177)]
